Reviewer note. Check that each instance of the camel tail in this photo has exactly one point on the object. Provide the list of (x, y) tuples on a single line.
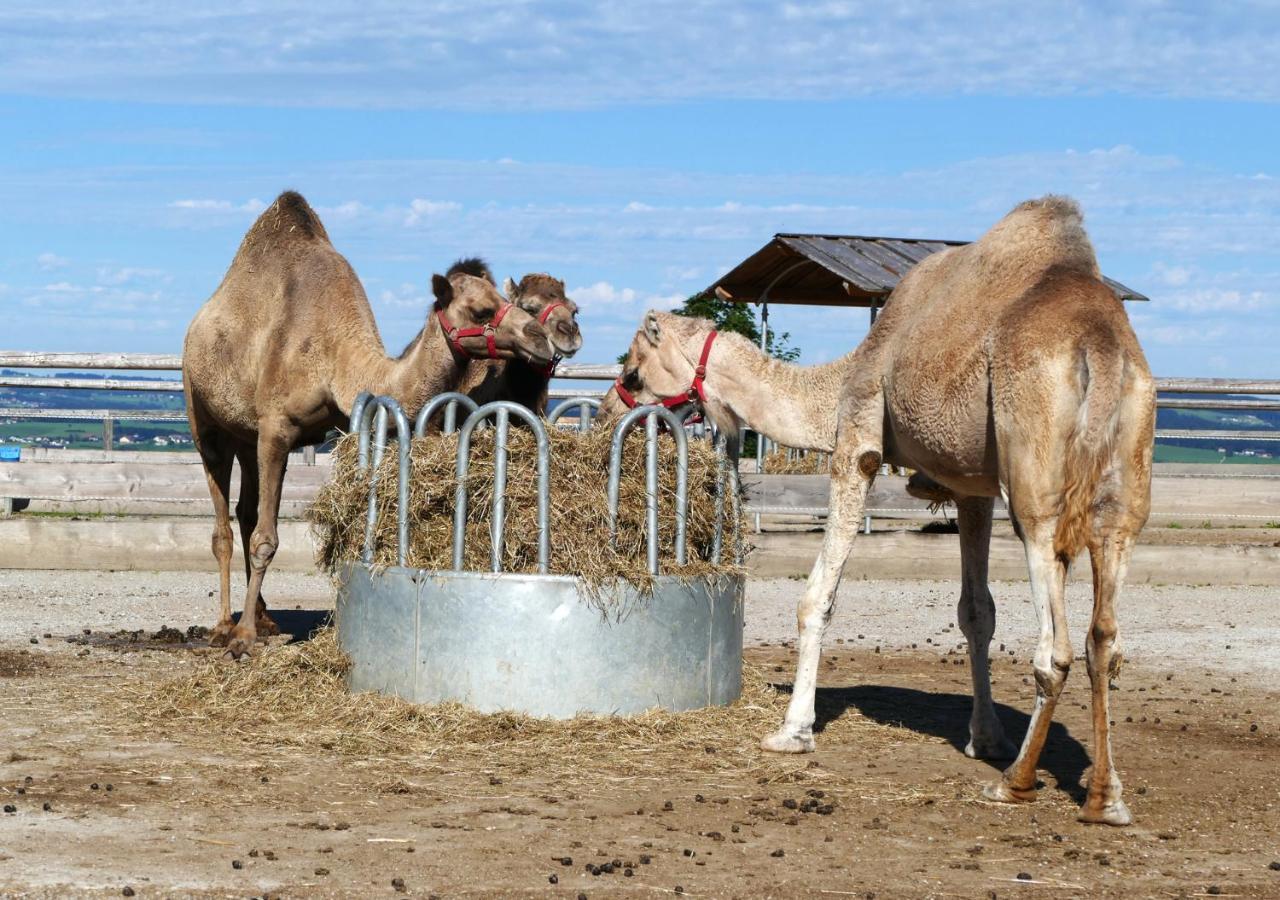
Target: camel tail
[(1090, 445)]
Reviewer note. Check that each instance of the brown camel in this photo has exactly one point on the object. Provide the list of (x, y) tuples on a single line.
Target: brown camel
[(1005, 367), (543, 297), (275, 359)]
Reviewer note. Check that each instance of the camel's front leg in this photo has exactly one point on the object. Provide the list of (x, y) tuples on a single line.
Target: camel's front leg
[(976, 613), (853, 466), (273, 456)]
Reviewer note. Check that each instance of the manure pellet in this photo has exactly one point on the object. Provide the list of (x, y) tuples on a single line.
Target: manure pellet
[(10, 808), (553, 879), (126, 891), (47, 807), (322, 871), (398, 884), (237, 864)]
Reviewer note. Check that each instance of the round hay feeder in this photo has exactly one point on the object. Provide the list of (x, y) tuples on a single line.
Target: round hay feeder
[(539, 643)]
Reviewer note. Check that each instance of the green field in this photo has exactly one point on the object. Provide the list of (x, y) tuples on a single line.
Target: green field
[(84, 435), (1168, 454)]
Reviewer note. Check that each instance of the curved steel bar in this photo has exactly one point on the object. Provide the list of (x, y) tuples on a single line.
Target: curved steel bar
[(502, 410), (357, 409), (582, 405), (449, 400), (377, 409), (651, 415), (720, 442)]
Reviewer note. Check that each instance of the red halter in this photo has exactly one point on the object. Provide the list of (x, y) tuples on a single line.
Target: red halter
[(695, 394), (488, 330), (550, 370)]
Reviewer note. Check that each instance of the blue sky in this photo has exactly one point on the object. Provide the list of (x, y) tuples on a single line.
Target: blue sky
[(636, 150)]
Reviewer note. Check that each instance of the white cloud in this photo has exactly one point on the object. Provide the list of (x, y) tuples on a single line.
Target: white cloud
[(253, 205), (126, 274), (420, 209), (575, 53), (48, 262)]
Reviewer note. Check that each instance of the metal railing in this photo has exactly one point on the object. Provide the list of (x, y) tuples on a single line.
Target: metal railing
[(1266, 393), (370, 418)]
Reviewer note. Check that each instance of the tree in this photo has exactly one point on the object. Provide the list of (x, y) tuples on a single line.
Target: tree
[(736, 317), (740, 318)]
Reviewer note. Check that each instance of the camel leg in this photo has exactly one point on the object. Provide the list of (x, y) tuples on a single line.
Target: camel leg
[(854, 465), (976, 613), (247, 517), (1052, 659), (216, 457), (273, 456), (1110, 558)]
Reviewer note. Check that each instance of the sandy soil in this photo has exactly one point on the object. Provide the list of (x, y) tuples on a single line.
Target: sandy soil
[(205, 814)]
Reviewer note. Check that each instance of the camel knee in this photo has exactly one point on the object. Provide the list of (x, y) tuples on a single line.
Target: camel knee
[(222, 543), (976, 614), (1051, 677), (262, 549)]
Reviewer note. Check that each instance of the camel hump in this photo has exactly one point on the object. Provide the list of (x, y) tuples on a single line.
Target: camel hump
[(1039, 234), (471, 265)]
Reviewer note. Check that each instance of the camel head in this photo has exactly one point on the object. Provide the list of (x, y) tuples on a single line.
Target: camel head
[(468, 301), (660, 364), (543, 297)]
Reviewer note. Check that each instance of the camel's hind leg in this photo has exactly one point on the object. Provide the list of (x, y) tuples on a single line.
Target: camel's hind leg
[(853, 467), (273, 456), (216, 456), (247, 517), (976, 613), (1110, 558), (1052, 659)]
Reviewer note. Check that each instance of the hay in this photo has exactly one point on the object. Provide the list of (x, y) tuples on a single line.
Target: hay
[(295, 696), (579, 511), (804, 463)]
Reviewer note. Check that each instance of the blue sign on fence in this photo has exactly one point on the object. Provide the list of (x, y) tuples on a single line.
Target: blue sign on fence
[(10, 454)]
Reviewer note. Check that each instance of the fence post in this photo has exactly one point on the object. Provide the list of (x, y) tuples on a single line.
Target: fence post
[(309, 455), (108, 433)]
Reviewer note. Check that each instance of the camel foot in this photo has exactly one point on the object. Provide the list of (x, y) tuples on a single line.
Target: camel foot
[(990, 747), (1001, 792), (783, 741), (1113, 813), (221, 633), (240, 643), (265, 625)]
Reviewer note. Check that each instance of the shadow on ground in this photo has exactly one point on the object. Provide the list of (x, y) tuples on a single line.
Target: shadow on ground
[(946, 716)]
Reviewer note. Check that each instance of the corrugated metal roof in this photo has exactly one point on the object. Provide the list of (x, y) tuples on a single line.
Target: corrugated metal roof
[(836, 270)]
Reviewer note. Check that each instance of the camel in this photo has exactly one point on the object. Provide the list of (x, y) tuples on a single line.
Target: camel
[(544, 297), (1004, 367), (276, 356)]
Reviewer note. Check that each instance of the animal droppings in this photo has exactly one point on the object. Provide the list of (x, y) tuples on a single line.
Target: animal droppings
[(237, 864), (779, 853), (126, 891), (553, 879), (398, 884)]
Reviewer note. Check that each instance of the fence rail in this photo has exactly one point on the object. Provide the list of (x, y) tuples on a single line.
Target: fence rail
[(568, 372)]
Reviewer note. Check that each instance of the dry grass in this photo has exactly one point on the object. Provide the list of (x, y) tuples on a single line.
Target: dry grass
[(579, 512), (296, 696), (805, 463)]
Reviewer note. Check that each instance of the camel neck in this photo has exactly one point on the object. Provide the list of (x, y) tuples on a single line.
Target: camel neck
[(793, 405), (426, 368)]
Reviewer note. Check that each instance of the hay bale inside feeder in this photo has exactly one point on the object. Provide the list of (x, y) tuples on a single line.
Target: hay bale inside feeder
[(552, 620)]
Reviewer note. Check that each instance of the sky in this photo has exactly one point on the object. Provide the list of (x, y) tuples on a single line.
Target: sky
[(636, 150)]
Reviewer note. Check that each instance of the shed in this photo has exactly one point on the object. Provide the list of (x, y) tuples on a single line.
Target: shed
[(835, 270)]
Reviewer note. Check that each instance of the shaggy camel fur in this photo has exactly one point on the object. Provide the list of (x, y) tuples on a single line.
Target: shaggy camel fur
[(276, 357), (1005, 367), (543, 297)]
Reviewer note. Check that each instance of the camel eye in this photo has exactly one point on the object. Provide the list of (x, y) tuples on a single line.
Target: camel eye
[(631, 380)]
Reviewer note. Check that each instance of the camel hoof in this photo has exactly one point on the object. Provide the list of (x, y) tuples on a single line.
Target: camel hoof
[(1001, 792), (1114, 813), (266, 626), (220, 634), (784, 741), (988, 748), (240, 643)]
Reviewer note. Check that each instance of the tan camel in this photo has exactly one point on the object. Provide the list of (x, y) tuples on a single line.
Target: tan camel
[(276, 357), (543, 297), (1005, 367)]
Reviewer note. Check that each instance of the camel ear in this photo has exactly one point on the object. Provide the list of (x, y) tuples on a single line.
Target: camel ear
[(509, 288), (443, 289), (652, 330)]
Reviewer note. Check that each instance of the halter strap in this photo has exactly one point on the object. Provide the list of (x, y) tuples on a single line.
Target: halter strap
[(695, 394), (489, 331), (546, 311)]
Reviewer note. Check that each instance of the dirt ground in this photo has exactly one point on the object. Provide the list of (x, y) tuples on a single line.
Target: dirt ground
[(102, 808)]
